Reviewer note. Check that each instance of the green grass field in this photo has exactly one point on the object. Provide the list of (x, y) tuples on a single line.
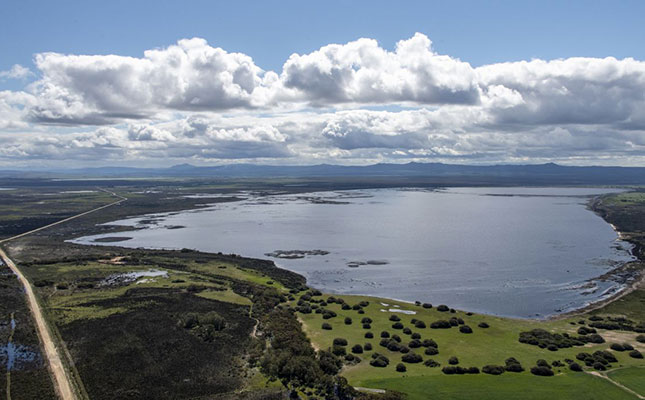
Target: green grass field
[(506, 386), (492, 345), (633, 378)]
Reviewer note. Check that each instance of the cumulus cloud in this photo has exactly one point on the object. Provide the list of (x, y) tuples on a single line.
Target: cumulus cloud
[(363, 72), (194, 102), (17, 71), (188, 76)]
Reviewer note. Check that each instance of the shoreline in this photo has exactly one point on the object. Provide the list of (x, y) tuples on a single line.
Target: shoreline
[(626, 288)]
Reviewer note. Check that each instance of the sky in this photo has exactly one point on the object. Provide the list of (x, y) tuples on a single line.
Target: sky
[(157, 83)]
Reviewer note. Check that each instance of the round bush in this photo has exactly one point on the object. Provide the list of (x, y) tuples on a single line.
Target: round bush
[(415, 336), (640, 338), (414, 344), (361, 311), (395, 318), (541, 371), (493, 369), (443, 308), (599, 366), (407, 331), (431, 351), (635, 354), (483, 325), (453, 360), (367, 326), (397, 325), (326, 326), (514, 367), (367, 346), (339, 350), (412, 358), (465, 329), (400, 368), (453, 321), (429, 343), (357, 349), (431, 363), (543, 363), (420, 324), (369, 335), (366, 320), (617, 347), (379, 363), (348, 321), (575, 367), (427, 305), (397, 338), (393, 346), (385, 334), (340, 342), (346, 307), (404, 349), (441, 324)]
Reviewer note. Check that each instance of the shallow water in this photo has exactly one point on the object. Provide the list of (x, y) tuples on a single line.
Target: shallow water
[(521, 252)]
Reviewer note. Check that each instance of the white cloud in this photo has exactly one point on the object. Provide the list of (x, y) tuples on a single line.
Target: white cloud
[(17, 71), (194, 102)]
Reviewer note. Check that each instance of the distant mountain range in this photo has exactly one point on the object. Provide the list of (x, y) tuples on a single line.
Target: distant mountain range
[(512, 174)]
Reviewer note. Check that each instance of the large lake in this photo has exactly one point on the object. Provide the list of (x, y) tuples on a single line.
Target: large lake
[(521, 252)]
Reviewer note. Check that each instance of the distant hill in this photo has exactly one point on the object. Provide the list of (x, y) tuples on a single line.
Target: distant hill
[(509, 174)]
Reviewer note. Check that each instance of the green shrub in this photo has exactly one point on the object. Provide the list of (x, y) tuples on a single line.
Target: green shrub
[(599, 366), (395, 318), (357, 349), (397, 338), (431, 363), (339, 350), (407, 331), (635, 354), (465, 329), (429, 343), (640, 338), (369, 335), (385, 334), (617, 347), (414, 344), (326, 326), (367, 326), (412, 358), (483, 325), (329, 363), (427, 305), (400, 367), (415, 336), (493, 369), (340, 342), (431, 351), (348, 321), (420, 324), (366, 320), (453, 360), (397, 325), (442, 308), (541, 371), (346, 307), (575, 367), (441, 324), (404, 349), (367, 346)]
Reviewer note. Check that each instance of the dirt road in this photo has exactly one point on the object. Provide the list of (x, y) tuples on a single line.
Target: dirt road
[(63, 381), (61, 376)]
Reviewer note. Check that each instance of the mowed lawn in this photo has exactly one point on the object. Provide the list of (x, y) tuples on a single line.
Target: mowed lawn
[(633, 378), (484, 346)]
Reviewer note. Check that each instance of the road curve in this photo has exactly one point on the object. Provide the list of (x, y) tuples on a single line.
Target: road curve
[(61, 375)]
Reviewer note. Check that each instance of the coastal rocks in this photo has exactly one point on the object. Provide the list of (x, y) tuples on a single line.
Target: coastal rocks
[(295, 254)]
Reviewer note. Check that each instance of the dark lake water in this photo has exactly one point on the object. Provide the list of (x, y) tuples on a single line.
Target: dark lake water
[(521, 252)]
